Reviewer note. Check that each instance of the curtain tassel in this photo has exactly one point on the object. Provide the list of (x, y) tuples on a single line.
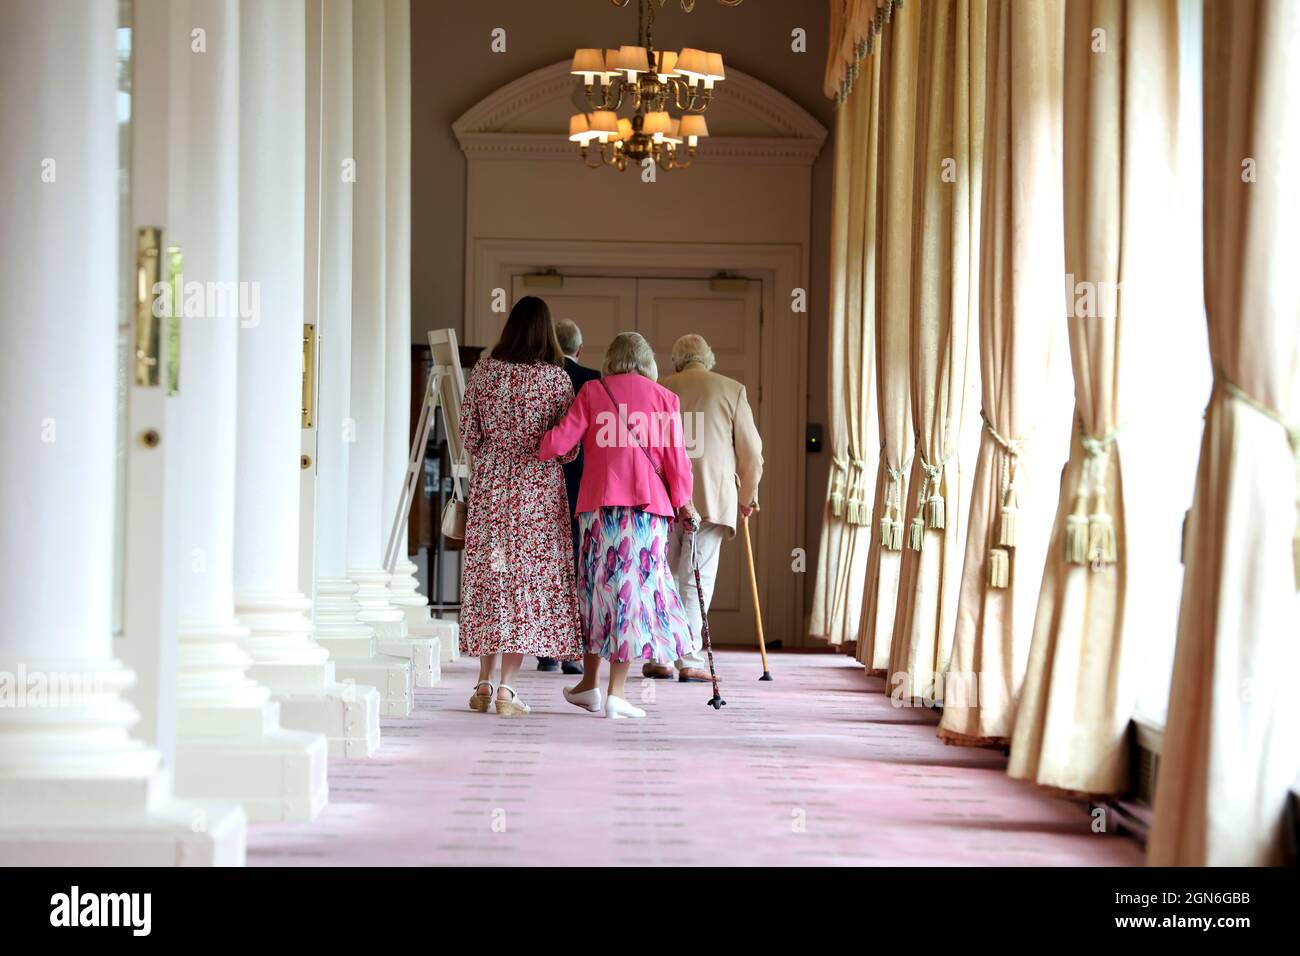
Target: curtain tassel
[(838, 481), (896, 535), (937, 511), (1102, 546), (999, 567), (1076, 533), (1101, 543), (854, 513), (916, 537), (1007, 523), (933, 507), (891, 526), (1010, 515)]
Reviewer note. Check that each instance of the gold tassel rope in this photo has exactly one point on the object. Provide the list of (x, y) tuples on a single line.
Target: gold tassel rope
[(841, 466), (1009, 515), (933, 506), (891, 525), (1095, 541)]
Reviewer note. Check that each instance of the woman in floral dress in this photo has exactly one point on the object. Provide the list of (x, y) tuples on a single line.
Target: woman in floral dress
[(635, 478), (517, 587)]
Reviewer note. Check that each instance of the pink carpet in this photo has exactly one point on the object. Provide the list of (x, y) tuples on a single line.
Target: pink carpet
[(814, 768)]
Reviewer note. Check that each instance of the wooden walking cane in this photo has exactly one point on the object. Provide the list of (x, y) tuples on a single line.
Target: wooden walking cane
[(753, 585)]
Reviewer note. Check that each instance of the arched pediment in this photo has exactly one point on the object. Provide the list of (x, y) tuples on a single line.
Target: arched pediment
[(749, 121)]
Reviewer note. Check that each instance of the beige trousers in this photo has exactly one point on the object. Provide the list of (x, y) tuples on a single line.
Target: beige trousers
[(708, 548)]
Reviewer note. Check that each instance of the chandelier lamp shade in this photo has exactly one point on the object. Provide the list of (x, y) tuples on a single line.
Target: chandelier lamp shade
[(647, 83)]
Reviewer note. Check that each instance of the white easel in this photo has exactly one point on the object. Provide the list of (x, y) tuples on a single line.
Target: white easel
[(446, 388)]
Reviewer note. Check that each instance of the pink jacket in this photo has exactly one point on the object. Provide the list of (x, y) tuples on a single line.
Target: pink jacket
[(615, 471)]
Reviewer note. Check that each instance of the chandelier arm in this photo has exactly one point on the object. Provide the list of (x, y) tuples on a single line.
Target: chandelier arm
[(675, 85)]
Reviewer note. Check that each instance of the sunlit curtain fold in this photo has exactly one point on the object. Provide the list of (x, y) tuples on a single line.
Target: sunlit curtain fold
[(1232, 741), (1121, 109), (943, 354), (846, 527), (898, 72), (1021, 264)]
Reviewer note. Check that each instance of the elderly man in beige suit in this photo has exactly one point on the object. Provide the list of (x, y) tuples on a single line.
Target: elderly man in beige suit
[(727, 461)]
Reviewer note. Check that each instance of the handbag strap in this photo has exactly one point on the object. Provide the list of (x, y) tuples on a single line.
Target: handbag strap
[(623, 422)]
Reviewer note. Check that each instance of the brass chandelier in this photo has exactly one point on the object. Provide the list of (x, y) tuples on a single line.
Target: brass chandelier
[(649, 81)]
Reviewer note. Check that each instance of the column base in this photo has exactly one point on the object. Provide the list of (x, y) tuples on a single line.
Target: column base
[(280, 776), (424, 653), (180, 833), (77, 790), (351, 646), (391, 676), (447, 632), (389, 624), (346, 714), (415, 607), (285, 658)]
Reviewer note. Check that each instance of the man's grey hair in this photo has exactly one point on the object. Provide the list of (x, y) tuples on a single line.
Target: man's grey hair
[(692, 348), (570, 336), (629, 352)]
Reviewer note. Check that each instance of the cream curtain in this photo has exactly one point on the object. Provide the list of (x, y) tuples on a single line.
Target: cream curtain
[(1021, 265), (945, 295), (898, 70), (1232, 742), (1121, 108), (841, 566)]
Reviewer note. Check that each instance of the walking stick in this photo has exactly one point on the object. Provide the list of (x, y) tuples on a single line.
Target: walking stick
[(758, 611), (716, 701)]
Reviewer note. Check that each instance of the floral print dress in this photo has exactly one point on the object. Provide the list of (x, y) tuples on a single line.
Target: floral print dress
[(630, 606), (518, 594)]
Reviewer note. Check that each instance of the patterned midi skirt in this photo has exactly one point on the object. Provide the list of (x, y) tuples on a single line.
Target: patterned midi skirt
[(627, 596)]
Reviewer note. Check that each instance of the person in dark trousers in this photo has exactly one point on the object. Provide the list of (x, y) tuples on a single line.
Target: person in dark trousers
[(570, 336)]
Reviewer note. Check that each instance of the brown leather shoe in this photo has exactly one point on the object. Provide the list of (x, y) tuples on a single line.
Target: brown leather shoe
[(699, 674), (657, 671)]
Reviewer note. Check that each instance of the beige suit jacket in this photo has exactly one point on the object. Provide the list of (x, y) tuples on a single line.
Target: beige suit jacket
[(723, 442)]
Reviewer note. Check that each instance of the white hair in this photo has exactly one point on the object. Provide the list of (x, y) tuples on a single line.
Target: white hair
[(630, 352), (569, 336), (692, 348)]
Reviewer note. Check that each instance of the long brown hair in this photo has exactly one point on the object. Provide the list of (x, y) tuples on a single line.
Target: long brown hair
[(529, 335)]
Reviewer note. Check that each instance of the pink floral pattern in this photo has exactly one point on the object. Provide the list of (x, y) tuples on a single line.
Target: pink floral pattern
[(630, 606), (518, 594)]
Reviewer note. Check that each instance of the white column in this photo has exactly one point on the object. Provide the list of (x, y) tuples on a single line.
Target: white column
[(397, 309), (75, 787), (230, 744), (350, 642), (272, 162), (368, 520)]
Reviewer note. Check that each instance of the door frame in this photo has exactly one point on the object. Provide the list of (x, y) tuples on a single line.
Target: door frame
[(782, 268)]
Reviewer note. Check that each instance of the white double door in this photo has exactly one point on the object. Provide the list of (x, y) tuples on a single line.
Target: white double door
[(728, 314)]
